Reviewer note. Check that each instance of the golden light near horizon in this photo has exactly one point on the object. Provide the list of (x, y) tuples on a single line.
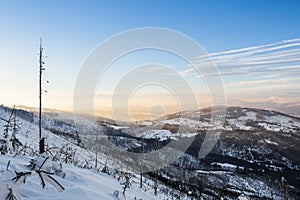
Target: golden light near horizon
[(146, 106), (140, 107), (150, 106)]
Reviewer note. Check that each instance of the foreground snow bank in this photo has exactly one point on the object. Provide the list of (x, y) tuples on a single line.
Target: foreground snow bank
[(78, 183)]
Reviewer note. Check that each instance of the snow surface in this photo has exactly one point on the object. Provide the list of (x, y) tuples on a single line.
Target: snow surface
[(165, 134), (236, 118), (79, 184), (240, 122), (271, 142)]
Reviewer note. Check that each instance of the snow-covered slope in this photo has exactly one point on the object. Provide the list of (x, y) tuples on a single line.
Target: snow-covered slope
[(82, 180), (78, 183), (255, 156)]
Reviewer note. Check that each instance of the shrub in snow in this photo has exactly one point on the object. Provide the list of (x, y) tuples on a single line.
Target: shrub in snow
[(10, 143), (3, 147), (116, 193), (105, 170), (11, 181), (126, 181), (9, 190)]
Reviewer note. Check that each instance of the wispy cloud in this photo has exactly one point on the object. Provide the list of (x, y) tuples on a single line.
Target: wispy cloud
[(274, 99), (264, 60), (289, 105), (254, 49), (264, 82), (266, 76)]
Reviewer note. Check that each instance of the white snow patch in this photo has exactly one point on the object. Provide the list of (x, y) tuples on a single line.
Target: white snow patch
[(271, 142), (241, 121)]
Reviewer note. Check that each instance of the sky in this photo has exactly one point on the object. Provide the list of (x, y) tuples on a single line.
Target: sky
[(254, 44)]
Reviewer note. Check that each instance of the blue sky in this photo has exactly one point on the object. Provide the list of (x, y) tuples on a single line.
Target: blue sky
[(72, 29), (217, 25)]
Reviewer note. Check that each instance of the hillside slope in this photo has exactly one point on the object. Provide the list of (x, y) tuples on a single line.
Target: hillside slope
[(255, 154), (81, 181)]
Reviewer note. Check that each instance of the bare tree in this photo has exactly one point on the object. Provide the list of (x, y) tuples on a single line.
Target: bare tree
[(7, 126), (141, 164), (16, 127)]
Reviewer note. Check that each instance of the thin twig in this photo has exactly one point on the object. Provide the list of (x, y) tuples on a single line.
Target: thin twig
[(7, 165), (42, 164)]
